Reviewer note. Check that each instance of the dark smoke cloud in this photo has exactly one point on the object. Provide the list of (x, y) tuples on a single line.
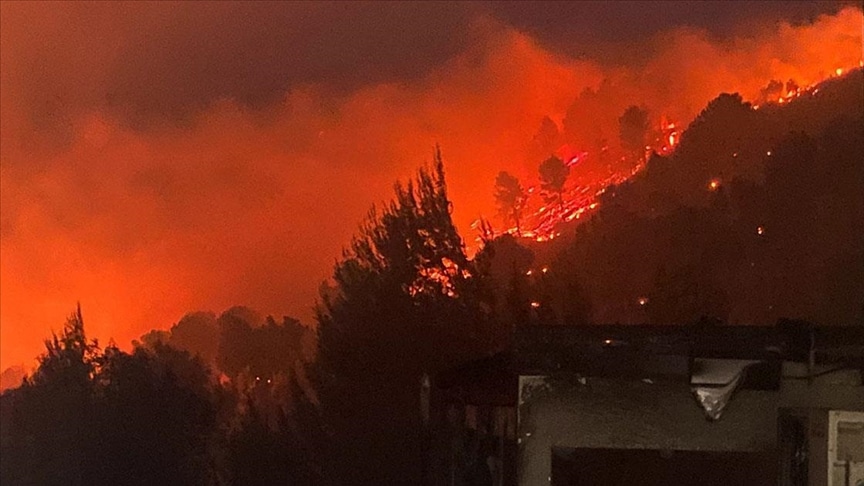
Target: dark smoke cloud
[(147, 62), (608, 31)]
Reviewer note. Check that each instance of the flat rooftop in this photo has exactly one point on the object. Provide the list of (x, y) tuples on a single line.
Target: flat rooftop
[(656, 351)]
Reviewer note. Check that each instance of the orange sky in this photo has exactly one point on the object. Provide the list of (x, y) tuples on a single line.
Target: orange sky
[(235, 205)]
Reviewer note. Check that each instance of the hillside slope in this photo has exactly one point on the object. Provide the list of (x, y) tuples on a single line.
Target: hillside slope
[(758, 215)]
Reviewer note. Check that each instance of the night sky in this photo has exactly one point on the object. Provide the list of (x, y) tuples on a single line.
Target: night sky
[(160, 158)]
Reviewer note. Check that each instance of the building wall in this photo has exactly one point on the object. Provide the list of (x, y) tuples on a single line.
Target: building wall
[(606, 413)]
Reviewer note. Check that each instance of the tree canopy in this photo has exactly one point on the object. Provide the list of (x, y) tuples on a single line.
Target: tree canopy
[(408, 301), (510, 197), (553, 176)]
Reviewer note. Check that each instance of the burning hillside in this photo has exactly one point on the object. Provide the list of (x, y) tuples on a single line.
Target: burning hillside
[(754, 217), (544, 222)]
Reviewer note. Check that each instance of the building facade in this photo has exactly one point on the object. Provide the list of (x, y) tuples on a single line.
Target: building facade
[(670, 405)]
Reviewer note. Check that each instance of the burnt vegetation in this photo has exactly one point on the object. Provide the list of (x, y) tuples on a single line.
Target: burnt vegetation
[(756, 216)]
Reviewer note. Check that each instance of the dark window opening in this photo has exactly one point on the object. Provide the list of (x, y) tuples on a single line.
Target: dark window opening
[(793, 448), (649, 467)]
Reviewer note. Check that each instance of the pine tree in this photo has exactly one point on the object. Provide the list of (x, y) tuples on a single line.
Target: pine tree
[(406, 303)]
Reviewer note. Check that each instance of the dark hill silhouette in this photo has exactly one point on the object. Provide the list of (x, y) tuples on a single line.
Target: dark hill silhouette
[(756, 216)]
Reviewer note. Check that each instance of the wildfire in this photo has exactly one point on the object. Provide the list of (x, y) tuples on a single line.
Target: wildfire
[(794, 91), (544, 223)]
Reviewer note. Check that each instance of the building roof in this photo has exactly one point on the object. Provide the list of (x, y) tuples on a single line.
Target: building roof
[(655, 352)]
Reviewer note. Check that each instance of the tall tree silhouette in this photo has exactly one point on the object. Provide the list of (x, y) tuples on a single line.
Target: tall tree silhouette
[(553, 176), (406, 303), (511, 198), (50, 438)]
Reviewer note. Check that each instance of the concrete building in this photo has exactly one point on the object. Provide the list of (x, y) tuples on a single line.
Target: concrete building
[(661, 405)]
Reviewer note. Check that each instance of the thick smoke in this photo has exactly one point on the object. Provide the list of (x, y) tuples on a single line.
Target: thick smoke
[(162, 159)]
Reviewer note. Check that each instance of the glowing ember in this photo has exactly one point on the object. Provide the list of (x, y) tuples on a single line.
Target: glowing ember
[(575, 159), (535, 304), (545, 269), (760, 230), (643, 300), (714, 184)]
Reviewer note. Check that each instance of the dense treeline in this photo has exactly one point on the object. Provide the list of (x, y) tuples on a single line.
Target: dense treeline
[(157, 415)]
